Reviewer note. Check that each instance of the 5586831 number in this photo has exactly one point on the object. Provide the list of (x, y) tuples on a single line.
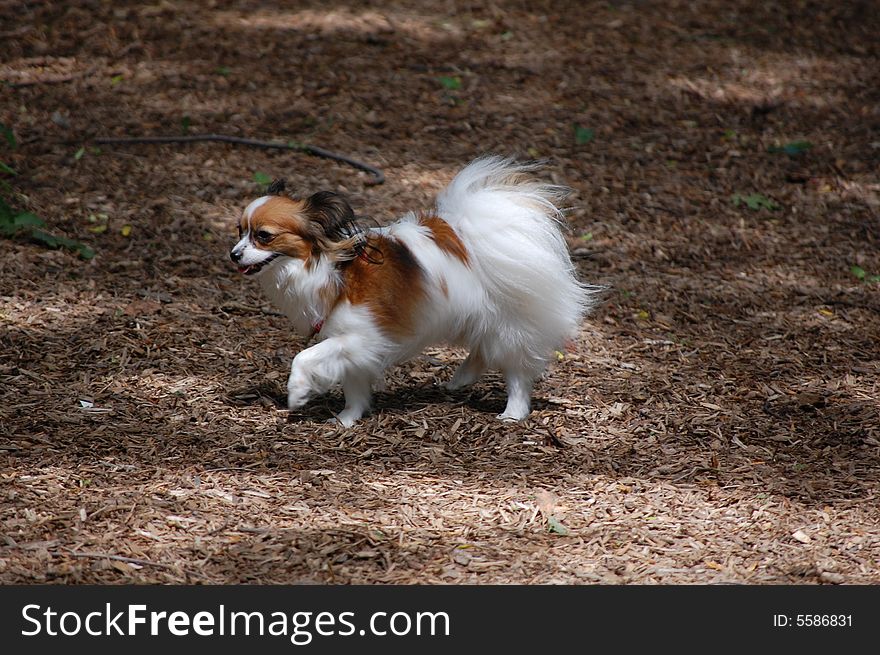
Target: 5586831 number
[(812, 621), (823, 620)]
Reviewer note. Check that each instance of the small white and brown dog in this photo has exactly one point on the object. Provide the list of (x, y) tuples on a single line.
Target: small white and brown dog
[(487, 269)]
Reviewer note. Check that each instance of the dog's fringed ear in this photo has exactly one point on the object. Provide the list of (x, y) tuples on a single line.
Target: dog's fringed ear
[(332, 212), (277, 187), (335, 230)]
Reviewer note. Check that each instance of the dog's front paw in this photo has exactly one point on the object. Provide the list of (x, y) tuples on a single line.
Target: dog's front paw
[(347, 418), (297, 392), (508, 417), (343, 421), (296, 399)]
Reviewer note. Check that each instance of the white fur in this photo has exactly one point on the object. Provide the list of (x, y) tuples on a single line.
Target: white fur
[(247, 254), (296, 290), (519, 258), (251, 208), (514, 302), (352, 351)]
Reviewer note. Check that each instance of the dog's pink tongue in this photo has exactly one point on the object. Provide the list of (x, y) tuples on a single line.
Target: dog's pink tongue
[(244, 269)]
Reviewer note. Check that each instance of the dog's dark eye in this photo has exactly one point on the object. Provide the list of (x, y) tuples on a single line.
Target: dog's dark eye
[(264, 237)]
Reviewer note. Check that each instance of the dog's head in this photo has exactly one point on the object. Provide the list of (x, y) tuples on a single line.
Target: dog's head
[(277, 226)]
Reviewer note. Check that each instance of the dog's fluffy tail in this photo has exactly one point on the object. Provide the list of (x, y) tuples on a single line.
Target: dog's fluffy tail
[(511, 225)]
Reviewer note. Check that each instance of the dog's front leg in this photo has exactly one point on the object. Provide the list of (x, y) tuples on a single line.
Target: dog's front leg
[(357, 397), (313, 371), (332, 361)]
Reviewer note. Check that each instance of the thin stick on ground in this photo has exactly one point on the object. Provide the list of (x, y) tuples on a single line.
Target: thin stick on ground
[(116, 558), (378, 175)]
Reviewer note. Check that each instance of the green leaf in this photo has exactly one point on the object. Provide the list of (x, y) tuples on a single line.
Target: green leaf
[(6, 169), (27, 219), (874, 279), (791, 149), (506, 36), (557, 527), (184, 124), (223, 70), (84, 251), (116, 79), (754, 201), (583, 135), (67, 243), (55, 241), (79, 153), (11, 223), (858, 271), (9, 135), (5, 212), (587, 236), (450, 83), (45, 238), (262, 179)]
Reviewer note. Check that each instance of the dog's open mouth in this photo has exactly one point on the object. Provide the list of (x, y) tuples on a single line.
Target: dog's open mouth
[(256, 268)]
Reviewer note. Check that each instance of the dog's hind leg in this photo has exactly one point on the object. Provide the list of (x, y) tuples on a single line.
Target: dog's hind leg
[(468, 372), (519, 394)]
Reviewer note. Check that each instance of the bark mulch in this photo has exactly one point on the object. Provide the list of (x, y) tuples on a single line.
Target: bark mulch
[(716, 421)]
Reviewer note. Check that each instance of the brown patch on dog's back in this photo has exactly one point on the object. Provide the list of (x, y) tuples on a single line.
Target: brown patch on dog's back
[(391, 288), (445, 237)]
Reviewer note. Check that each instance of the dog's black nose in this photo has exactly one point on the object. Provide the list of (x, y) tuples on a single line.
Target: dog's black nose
[(235, 256)]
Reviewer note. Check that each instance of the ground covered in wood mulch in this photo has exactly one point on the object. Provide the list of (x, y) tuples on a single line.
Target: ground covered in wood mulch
[(716, 421)]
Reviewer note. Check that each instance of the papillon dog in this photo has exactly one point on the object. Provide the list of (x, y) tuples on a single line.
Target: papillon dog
[(487, 268)]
